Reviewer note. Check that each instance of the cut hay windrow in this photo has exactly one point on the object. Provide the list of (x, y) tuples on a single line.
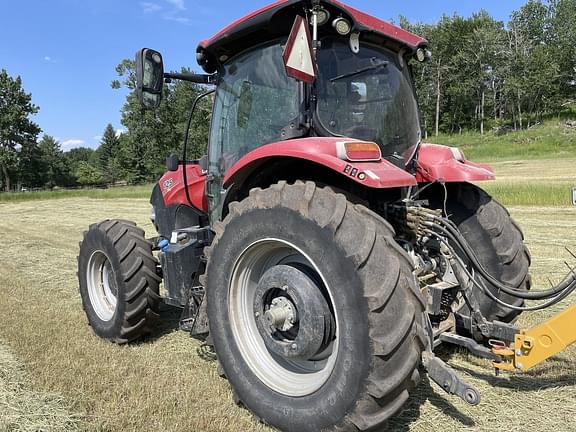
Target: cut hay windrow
[(24, 409)]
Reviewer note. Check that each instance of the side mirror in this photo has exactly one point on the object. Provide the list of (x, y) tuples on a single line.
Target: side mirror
[(172, 162), (149, 77)]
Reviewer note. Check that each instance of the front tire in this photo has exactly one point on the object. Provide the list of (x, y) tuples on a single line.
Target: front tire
[(301, 251), (118, 282)]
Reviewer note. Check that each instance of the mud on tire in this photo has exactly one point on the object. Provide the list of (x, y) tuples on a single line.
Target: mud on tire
[(118, 281), (367, 279)]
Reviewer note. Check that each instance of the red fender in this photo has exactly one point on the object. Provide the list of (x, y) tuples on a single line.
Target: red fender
[(435, 163), (447, 164), (172, 187), (323, 151)]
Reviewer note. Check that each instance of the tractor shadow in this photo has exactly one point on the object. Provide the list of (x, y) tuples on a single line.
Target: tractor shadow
[(541, 378), (403, 421), (168, 322), (425, 392)]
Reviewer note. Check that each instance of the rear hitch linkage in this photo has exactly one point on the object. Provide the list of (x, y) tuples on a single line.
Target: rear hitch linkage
[(512, 348), (448, 379)]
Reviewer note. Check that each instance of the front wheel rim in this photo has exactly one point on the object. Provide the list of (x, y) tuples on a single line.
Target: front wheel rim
[(289, 377), (102, 287)]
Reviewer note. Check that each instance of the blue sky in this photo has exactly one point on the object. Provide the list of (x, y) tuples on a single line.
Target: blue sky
[(66, 50)]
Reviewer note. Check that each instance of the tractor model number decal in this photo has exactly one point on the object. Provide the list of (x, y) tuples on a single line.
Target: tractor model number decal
[(168, 184), (353, 172)]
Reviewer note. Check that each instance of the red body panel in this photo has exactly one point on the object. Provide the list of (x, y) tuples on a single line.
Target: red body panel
[(383, 27), (363, 20), (323, 151), (174, 193), (438, 163), (435, 163)]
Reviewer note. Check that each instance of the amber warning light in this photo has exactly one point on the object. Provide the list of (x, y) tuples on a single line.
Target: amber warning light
[(359, 151)]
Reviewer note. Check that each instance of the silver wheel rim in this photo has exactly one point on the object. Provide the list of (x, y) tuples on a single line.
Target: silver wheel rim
[(102, 288), (289, 377)]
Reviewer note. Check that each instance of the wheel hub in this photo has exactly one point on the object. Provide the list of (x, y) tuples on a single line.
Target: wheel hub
[(291, 313), (282, 314)]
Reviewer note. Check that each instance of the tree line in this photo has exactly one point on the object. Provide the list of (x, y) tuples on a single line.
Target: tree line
[(487, 74), (136, 156), (484, 74)]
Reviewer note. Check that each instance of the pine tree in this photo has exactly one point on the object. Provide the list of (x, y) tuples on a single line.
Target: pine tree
[(108, 154), (16, 128), (56, 171)]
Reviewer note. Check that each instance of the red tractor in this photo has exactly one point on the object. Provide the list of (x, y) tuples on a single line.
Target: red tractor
[(321, 247)]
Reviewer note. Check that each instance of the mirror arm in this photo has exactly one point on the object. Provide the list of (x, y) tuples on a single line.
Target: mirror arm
[(191, 77)]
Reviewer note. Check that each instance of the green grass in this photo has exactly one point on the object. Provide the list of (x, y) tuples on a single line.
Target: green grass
[(143, 191), (530, 194), (551, 140), (544, 183), (534, 167)]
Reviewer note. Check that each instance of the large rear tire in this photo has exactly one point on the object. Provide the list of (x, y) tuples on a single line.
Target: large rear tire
[(118, 281), (307, 252)]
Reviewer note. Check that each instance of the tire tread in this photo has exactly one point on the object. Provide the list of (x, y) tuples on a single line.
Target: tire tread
[(138, 273), (386, 273)]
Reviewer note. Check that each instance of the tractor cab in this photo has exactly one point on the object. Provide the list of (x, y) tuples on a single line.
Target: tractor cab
[(361, 86), (303, 69)]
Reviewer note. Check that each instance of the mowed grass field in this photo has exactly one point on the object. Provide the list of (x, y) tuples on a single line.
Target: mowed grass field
[(55, 374)]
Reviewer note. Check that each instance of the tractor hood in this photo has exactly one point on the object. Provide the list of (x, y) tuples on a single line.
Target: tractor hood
[(276, 20)]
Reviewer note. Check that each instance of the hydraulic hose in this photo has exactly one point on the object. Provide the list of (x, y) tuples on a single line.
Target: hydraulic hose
[(537, 295), (554, 300), (490, 294), (451, 232)]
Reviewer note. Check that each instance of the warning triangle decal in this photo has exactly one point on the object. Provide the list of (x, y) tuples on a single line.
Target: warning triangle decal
[(298, 55)]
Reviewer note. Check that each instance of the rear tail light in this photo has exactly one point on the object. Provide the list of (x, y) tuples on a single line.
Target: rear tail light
[(359, 151)]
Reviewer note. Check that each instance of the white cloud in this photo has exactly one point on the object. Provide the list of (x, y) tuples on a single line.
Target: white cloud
[(181, 20), (120, 132), (72, 143), (148, 7), (170, 11), (49, 59), (178, 4), (97, 138)]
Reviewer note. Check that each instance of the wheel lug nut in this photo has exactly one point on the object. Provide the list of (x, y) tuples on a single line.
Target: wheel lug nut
[(294, 346)]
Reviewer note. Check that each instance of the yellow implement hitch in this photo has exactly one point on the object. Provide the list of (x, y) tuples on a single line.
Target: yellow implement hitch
[(532, 347)]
